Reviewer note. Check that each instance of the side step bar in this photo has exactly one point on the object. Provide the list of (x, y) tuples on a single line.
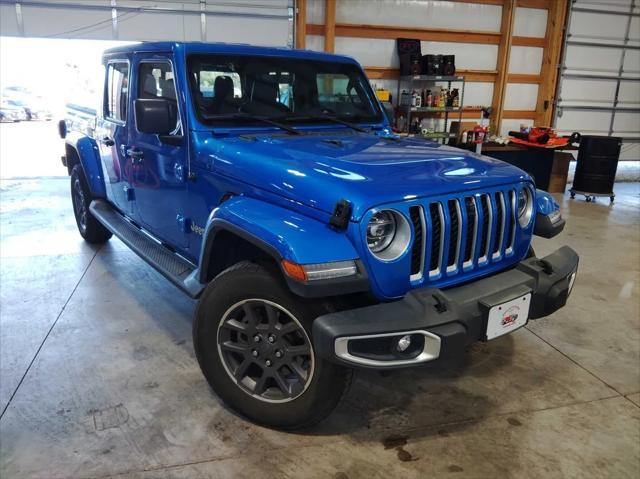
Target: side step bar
[(173, 267)]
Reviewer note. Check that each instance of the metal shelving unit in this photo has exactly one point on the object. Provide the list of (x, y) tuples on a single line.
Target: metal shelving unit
[(412, 82)]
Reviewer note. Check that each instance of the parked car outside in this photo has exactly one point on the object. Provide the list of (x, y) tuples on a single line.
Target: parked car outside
[(33, 110), (10, 113)]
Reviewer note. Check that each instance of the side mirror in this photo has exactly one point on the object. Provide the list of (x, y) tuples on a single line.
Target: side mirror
[(154, 116)]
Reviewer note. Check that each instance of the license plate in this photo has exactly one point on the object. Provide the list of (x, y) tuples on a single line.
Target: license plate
[(507, 317)]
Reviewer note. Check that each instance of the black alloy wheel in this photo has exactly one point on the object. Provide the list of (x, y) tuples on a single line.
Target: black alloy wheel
[(265, 350)]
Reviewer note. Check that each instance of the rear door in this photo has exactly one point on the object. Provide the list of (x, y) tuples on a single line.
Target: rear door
[(159, 170), (112, 133)]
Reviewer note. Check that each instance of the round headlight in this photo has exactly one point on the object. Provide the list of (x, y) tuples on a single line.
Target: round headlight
[(381, 231), (388, 235), (525, 207)]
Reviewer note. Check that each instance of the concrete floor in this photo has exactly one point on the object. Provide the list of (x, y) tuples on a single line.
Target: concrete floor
[(98, 376)]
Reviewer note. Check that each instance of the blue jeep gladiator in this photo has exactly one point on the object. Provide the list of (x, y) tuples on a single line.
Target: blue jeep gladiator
[(267, 184)]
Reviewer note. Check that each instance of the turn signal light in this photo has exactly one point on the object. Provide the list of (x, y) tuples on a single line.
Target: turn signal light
[(295, 270), (320, 271)]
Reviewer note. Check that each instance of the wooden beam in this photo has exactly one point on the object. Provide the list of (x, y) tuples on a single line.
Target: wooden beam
[(434, 35), (478, 76), (528, 42), (518, 115), (556, 20), (330, 26), (524, 78), (541, 4), (388, 73), (301, 23), (504, 50), (480, 2), (391, 33)]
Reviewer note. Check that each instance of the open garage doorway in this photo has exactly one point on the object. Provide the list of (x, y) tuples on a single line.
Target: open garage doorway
[(38, 77)]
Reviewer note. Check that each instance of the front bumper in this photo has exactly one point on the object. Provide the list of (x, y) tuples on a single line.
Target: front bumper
[(445, 321)]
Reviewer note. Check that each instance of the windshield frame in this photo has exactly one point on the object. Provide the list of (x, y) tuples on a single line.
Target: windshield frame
[(377, 116)]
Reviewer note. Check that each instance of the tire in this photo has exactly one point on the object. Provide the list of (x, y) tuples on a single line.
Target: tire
[(88, 226), (249, 286)]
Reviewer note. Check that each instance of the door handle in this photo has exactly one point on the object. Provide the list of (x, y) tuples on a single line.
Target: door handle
[(107, 141), (136, 155)]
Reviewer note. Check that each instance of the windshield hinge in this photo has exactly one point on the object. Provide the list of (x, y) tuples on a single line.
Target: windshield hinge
[(341, 215)]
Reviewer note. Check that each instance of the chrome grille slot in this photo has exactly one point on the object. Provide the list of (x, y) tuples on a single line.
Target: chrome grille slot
[(472, 230), (436, 215), (455, 232), (487, 222), (500, 219), (513, 221), (419, 245)]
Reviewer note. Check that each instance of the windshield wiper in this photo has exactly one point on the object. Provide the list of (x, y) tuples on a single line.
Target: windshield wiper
[(328, 118), (248, 116)]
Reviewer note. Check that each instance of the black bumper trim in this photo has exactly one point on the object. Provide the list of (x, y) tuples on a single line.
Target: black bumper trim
[(545, 228), (457, 315)]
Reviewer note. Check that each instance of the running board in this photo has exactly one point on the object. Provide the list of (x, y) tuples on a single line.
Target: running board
[(173, 267)]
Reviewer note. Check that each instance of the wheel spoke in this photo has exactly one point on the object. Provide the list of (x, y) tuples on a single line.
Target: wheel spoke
[(272, 315), (287, 328), (282, 383), (298, 371), (250, 314), (300, 350), (234, 325), (261, 383), (240, 371), (234, 347)]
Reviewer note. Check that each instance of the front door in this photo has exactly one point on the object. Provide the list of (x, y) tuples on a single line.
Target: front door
[(159, 170), (112, 134)]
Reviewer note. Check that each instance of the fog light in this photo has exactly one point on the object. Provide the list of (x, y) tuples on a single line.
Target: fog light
[(572, 279), (403, 343)]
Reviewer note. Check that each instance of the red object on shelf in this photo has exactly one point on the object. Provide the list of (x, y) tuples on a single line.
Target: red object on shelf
[(539, 137)]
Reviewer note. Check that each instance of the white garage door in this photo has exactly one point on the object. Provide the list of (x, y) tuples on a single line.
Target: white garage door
[(259, 22), (599, 93)]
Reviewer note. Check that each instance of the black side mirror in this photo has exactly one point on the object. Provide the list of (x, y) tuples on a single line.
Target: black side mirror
[(154, 116)]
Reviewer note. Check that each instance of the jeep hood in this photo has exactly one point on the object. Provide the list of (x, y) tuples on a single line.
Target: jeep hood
[(319, 169)]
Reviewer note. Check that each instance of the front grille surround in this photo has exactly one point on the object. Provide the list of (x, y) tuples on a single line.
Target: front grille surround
[(462, 233)]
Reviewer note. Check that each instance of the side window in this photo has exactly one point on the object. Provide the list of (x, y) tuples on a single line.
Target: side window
[(155, 80), (117, 91)]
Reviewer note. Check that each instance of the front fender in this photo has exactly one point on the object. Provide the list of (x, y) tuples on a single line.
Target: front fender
[(89, 155), (284, 235), (549, 221), (294, 237), (545, 203)]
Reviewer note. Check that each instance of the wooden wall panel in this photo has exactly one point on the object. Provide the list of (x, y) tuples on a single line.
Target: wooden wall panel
[(504, 39)]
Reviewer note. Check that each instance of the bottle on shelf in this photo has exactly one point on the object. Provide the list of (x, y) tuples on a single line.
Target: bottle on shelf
[(405, 98), (429, 98), (456, 98)]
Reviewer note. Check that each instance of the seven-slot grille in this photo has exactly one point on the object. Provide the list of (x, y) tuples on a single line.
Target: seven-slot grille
[(462, 233)]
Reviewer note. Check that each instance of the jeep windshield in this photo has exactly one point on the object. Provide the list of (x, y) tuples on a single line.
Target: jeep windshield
[(238, 89)]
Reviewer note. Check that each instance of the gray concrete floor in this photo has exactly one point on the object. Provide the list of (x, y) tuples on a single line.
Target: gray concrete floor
[(98, 376)]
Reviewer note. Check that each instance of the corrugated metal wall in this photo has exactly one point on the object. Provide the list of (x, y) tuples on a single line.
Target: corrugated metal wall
[(600, 83), (262, 22)]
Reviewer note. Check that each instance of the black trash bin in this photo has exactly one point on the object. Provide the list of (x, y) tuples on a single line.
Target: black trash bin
[(596, 167)]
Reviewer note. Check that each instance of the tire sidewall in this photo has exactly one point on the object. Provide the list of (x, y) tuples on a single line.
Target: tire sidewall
[(78, 175), (255, 282)]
